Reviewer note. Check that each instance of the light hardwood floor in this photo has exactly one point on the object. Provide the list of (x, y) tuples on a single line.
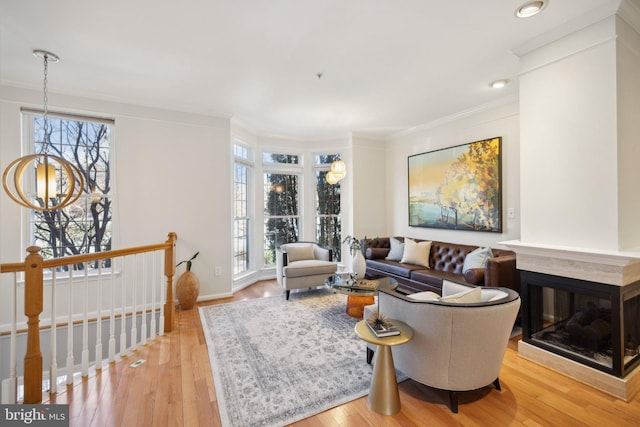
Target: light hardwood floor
[(175, 388)]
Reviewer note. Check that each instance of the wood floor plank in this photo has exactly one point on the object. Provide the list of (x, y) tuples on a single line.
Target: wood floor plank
[(175, 388)]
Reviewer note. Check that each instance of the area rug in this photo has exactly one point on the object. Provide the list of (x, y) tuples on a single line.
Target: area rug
[(275, 361)]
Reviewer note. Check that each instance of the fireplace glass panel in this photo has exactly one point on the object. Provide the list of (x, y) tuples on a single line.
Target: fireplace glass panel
[(577, 324), (591, 323)]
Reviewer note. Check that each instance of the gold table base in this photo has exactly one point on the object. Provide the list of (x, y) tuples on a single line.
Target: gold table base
[(384, 397)]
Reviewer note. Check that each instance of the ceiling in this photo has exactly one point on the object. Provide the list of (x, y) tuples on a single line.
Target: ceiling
[(385, 65)]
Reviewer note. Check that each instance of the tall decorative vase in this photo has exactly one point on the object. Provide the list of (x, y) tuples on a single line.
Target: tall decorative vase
[(359, 266), (187, 289)]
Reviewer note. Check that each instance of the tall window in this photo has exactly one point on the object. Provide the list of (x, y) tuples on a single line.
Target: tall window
[(243, 168), (328, 219), (86, 225), (281, 202)]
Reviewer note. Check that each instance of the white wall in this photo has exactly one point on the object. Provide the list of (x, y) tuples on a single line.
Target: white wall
[(172, 173), (568, 141), (369, 182), (579, 139), (628, 107), (489, 122)]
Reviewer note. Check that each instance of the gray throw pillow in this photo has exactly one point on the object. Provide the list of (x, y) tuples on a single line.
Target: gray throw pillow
[(299, 252), (477, 259), (397, 250)]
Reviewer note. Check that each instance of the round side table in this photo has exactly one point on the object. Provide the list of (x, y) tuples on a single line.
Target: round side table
[(384, 397)]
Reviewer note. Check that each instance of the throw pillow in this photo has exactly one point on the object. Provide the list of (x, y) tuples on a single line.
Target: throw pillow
[(299, 252), (416, 252), (477, 259), (424, 296), (465, 297), (397, 250)]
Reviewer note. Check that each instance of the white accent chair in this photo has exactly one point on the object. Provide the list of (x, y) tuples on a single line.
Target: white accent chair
[(456, 346), (302, 265)]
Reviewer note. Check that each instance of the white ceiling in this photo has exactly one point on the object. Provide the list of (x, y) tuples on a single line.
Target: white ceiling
[(386, 65)]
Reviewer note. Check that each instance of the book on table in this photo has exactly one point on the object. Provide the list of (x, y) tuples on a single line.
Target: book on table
[(366, 285), (382, 331)]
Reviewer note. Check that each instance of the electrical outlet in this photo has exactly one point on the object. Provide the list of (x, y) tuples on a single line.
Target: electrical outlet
[(218, 271), (511, 213)]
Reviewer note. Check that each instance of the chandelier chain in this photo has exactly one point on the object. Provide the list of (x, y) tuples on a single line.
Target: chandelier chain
[(46, 98), (45, 143)]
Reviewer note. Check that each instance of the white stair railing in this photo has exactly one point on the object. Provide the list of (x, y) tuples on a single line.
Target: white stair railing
[(128, 286)]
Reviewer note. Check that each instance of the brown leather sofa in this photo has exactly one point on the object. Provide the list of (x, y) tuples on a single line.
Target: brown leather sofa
[(446, 261)]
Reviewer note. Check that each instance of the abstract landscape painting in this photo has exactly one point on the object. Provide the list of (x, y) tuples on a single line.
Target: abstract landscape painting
[(457, 188)]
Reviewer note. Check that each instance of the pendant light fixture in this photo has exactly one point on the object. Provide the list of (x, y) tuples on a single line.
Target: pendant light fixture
[(337, 172), (58, 182)]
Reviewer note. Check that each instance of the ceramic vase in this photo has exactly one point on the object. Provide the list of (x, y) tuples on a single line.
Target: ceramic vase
[(187, 290), (359, 266)]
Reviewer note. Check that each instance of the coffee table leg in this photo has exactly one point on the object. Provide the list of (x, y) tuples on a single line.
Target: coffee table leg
[(383, 393)]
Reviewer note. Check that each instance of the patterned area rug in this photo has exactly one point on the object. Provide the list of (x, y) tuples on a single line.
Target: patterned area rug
[(275, 362)]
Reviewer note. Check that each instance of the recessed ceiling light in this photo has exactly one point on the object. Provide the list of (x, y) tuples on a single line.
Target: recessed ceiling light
[(499, 84), (530, 9)]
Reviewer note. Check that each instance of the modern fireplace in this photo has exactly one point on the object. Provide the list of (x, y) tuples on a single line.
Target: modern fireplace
[(595, 324), (581, 314)]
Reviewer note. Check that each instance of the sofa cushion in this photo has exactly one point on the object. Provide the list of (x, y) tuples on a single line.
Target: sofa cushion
[(392, 267), (299, 252), (467, 296), (450, 287), (433, 277), (492, 294), (477, 259), (397, 250), (416, 252), (310, 267), (424, 296)]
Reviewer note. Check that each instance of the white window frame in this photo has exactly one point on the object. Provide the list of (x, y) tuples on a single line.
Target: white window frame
[(28, 143), (249, 163)]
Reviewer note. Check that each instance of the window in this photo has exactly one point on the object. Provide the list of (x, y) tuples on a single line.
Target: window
[(328, 219), (282, 159), (86, 225), (243, 169), (281, 203)]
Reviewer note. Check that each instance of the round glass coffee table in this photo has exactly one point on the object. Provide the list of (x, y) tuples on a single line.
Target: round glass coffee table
[(357, 296)]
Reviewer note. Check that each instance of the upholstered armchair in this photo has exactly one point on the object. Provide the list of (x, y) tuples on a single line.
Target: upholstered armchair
[(459, 340), (303, 265)]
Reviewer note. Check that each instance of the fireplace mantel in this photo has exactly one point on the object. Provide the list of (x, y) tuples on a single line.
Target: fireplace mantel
[(618, 268)]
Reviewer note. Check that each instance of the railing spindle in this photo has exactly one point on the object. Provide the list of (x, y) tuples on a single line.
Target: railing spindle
[(134, 307), (85, 323), (53, 367), (143, 327), (98, 360), (70, 358), (112, 319), (123, 304), (10, 385), (152, 335)]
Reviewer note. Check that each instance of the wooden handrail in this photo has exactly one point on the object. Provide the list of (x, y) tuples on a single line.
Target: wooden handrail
[(33, 267)]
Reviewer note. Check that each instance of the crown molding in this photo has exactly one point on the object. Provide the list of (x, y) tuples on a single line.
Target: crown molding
[(629, 11)]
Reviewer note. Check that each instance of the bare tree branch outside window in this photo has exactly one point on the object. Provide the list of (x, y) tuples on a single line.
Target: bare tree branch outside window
[(86, 225)]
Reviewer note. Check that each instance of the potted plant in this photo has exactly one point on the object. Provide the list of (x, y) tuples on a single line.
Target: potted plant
[(358, 264), (188, 285)]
